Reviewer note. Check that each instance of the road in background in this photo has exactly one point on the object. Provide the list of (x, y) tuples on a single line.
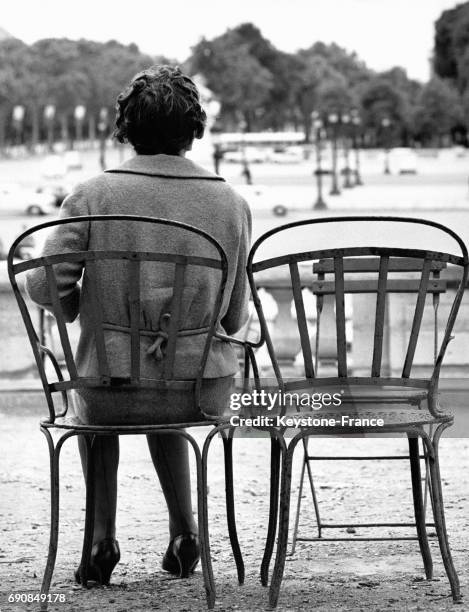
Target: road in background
[(439, 191)]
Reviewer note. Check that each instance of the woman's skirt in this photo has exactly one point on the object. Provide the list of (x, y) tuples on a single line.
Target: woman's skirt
[(146, 406)]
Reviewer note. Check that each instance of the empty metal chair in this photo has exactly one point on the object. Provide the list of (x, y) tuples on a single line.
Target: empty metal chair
[(404, 402), (358, 271)]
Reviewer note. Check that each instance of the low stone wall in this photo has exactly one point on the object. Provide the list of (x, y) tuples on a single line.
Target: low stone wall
[(360, 311), (16, 357), (17, 362)]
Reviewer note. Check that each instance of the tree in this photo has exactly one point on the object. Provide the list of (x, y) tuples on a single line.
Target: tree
[(21, 83), (277, 105), (235, 76), (347, 64), (108, 68), (62, 70), (313, 77), (381, 100), (335, 95), (452, 45), (438, 111)]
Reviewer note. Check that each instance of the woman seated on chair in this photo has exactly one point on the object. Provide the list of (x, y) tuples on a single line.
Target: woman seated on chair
[(159, 114)]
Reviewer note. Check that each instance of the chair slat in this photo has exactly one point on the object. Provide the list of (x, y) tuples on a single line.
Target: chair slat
[(175, 323), (319, 308), (371, 264), (406, 285), (134, 303), (96, 313), (417, 320), (436, 305), (61, 325), (356, 252), (340, 316), (83, 256), (301, 321), (379, 316)]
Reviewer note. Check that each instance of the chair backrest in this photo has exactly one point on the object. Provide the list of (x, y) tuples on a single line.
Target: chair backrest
[(181, 267), (378, 270), (357, 273)]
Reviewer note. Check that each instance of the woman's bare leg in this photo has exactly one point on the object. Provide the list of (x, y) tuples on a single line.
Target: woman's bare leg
[(170, 456), (106, 456)]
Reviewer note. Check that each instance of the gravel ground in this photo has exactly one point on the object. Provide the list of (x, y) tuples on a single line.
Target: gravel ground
[(325, 577)]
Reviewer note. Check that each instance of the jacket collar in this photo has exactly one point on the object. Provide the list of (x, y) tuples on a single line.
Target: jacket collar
[(168, 166)]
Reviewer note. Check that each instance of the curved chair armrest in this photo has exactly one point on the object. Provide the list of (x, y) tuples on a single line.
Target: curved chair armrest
[(235, 340), (47, 352), (249, 357)]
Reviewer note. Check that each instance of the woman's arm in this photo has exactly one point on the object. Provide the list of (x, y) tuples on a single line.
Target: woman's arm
[(67, 238), (237, 313)]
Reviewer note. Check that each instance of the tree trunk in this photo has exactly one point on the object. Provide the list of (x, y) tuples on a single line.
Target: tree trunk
[(91, 128), (102, 150), (64, 130), (306, 120), (50, 134), (34, 126), (3, 116), (248, 121)]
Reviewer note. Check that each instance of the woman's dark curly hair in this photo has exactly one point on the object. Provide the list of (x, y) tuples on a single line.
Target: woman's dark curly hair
[(159, 112)]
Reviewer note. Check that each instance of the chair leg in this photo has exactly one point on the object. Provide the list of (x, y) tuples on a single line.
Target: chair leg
[(419, 509), (202, 487), (427, 490), (273, 509), (438, 513), (298, 506), (313, 490), (285, 493), (230, 507), (54, 457), (89, 511)]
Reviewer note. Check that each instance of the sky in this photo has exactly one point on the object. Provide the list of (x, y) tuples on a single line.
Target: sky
[(383, 33)]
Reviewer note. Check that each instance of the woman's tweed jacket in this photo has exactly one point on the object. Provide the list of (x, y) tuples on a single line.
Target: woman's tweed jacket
[(170, 187)]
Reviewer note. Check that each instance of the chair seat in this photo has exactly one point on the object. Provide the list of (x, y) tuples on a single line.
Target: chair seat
[(359, 418), (350, 389), (73, 423)]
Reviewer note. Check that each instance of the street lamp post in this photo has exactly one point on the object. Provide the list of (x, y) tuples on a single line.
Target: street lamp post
[(246, 171), (356, 121), (102, 129), (346, 124), (320, 204), (79, 114), (333, 120), (18, 116), (386, 124), (49, 114), (212, 109)]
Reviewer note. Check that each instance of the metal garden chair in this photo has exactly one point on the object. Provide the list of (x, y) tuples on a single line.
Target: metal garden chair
[(67, 379), (406, 403), (358, 270)]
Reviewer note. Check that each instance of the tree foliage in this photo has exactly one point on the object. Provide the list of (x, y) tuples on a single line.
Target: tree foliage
[(64, 73), (438, 110), (259, 86), (265, 88)]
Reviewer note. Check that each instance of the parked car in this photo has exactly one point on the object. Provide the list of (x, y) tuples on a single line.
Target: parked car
[(286, 155), (58, 191), (403, 160), (73, 161), (53, 167), (17, 199), (260, 197), (253, 155)]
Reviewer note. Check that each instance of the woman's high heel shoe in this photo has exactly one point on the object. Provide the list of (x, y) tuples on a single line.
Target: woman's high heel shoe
[(105, 555), (182, 555)]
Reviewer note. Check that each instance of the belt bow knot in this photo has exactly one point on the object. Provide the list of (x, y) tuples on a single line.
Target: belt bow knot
[(162, 335)]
